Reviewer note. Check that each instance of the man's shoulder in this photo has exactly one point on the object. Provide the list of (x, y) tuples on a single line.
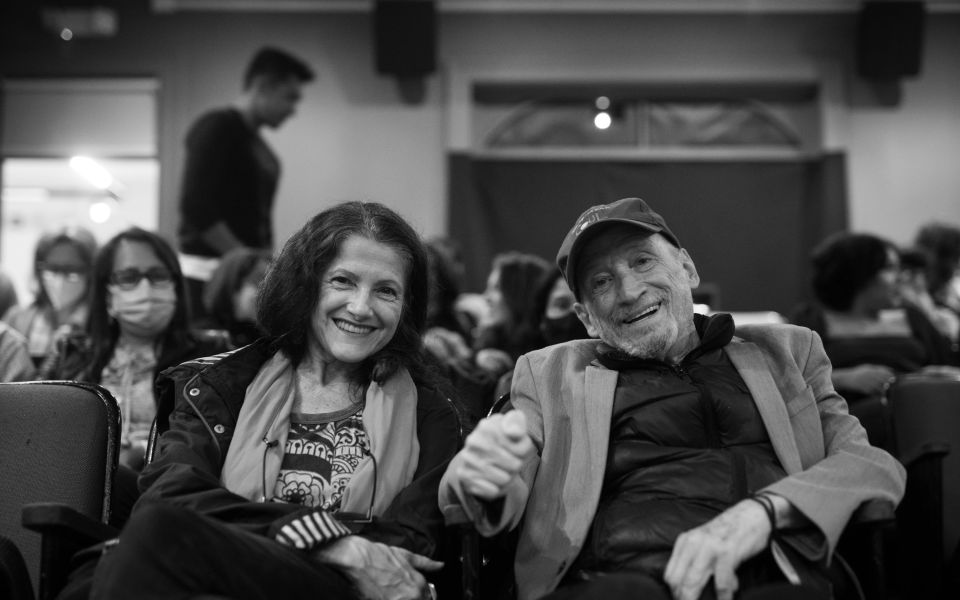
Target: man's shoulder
[(573, 353), (775, 336), (215, 121)]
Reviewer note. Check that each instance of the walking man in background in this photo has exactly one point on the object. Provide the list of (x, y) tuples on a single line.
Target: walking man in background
[(231, 174)]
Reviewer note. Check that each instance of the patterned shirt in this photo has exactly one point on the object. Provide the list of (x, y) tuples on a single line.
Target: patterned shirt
[(321, 454)]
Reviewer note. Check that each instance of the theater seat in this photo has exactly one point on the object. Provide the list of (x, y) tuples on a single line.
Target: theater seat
[(59, 445), (925, 415)]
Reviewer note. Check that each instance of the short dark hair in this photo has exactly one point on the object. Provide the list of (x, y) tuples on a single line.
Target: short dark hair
[(102, 328), (291, 290), (277, 65), (844, 265)]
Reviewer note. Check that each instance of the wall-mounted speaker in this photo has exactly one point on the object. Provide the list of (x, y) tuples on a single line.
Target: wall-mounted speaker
[(405, 37), (890, 40)]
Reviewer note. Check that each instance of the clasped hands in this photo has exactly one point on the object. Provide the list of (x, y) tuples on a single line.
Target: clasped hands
[(496, 450)]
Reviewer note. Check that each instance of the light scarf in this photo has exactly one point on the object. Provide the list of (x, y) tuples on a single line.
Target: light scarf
[(257, 447)]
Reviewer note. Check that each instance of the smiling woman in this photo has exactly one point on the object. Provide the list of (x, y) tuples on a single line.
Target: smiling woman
[(274, 449)]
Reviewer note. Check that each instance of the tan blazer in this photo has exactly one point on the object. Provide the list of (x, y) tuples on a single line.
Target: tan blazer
[(567, 397)]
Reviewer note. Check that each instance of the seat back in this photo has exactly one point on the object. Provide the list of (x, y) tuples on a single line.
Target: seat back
[(58, 442), (926, 410)]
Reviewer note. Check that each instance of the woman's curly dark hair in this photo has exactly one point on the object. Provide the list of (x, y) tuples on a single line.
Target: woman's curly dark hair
[(844, 264), (291, 290)]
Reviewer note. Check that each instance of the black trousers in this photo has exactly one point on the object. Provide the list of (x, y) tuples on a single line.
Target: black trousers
[(637, 586), (171, 552)]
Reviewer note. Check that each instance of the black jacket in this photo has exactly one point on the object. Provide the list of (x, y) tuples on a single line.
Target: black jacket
[(199, 405)]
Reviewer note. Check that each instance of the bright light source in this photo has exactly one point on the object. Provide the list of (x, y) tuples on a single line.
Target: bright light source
[(602, 120), (100, 212), (92, 171), (602, 103), (66, 35)]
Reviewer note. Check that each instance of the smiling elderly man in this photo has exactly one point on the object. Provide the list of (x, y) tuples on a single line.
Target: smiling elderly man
[(673, 457)]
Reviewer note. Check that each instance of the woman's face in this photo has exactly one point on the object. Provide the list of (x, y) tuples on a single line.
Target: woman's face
[(498, 312), (141, 293), (361, 301), (64, 276), (884, 291), (245, 298)]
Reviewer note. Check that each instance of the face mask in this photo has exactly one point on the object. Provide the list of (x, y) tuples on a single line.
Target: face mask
[(563, 329), (245, 304), (63, 291), (144, 311)]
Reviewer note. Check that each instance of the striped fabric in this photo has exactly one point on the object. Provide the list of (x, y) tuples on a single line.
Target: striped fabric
[(306, 531)]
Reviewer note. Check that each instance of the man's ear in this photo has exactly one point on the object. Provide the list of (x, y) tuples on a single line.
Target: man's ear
[(584, 317), (691, 269)]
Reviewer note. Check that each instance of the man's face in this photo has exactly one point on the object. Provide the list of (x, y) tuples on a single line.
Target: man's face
[(276, 100), (636, 293)]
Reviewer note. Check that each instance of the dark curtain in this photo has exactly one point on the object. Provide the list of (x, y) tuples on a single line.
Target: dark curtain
[(749, 225)]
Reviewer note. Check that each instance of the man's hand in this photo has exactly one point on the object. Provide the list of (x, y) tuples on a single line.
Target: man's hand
[(379, 571), (716, 549), (493, 455)]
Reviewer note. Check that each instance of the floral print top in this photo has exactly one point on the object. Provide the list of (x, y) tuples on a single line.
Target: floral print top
[(321, 454)]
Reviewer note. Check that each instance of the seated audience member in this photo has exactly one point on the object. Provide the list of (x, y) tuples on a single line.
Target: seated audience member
[(15, 362), (868, 334), (554, 303), (61, 266), (941, 243), (558, 323), (307, 463), (915, 289), (509, 327), (230, 297), (447, 337), (8, 294), (136, 327), (673, 454)]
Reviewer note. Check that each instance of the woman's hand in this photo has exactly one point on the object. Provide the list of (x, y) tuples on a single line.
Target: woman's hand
[(379, 571), (866, 379), (494, 361)]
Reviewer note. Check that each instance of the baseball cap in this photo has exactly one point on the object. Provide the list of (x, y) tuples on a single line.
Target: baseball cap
[(632, 211)]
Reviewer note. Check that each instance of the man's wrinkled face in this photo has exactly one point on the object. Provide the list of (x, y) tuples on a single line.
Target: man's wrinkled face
[(636, 293)]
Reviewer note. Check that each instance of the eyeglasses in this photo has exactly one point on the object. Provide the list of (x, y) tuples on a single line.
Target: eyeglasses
[(127, 279)]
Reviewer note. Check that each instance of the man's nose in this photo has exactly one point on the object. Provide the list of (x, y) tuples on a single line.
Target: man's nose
[(630, 287)]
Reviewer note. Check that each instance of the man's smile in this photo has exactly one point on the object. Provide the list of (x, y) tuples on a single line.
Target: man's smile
[(649, 311)]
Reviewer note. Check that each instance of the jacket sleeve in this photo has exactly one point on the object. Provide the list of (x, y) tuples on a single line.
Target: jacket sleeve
[(490, 518), (186, 472), (851, 470), (413, 520)]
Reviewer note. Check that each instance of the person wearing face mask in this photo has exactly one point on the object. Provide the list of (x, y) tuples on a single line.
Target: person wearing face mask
[(230, 297), (62, 261), (137, 326)]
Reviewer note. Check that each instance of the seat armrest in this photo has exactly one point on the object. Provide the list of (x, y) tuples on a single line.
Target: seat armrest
[(65, 531), (60, 519), (927, 451)]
